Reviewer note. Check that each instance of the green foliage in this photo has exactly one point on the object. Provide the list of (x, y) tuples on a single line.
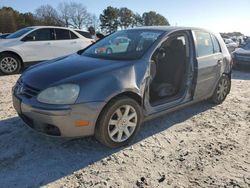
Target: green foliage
[(112, 18), (125, 17), (76, 15), (109, 19), (11, 20), (152, 18), (137, 20)]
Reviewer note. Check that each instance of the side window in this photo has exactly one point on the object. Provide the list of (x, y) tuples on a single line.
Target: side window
[(175, 47), (40, 35), (85, 34), (62, 34), (204, 43), (217, 48), (73, 35)]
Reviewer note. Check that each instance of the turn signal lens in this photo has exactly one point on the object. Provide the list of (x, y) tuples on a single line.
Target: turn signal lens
[(81, 123)]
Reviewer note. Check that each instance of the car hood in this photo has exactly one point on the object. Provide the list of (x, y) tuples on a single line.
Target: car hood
[(6, 42), (242, 51), (75, 66)]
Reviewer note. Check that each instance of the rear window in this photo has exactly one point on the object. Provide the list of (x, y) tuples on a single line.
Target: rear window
[(217, 48), (85, 34), (73, 35), (62, 34), (204, 43)]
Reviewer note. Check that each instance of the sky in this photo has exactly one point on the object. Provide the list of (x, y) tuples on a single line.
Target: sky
[(215, 15)]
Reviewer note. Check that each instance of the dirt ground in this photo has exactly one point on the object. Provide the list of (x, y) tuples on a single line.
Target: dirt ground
[(200, 146)]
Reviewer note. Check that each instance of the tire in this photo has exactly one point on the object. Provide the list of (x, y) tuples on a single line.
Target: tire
[(109, 51), (10, 64), (222, 89), (110, 127)]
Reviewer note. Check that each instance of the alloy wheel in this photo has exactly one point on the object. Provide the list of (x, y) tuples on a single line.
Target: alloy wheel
[(222, 90), (122, 123), (8, 65)]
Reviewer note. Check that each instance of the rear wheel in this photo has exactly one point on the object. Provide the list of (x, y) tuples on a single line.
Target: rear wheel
[(119, 122), (10, 64), (222, 89)]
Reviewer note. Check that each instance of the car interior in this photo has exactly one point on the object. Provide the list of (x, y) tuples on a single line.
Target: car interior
[(169, 69)]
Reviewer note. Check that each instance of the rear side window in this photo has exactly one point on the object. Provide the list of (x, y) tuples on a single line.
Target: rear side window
[(73, 35), (40, 35), (62, 34), (217, 48), (85, 34), (204, 44)]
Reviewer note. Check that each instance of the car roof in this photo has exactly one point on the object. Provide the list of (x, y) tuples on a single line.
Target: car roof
[(170, 28), (57, 27), (81, 30)]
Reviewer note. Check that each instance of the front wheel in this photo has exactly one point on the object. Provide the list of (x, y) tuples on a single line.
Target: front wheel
[(222, 89), (119, 122), (9, 64)]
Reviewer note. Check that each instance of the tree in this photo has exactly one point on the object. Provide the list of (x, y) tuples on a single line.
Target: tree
[(152, 18), (109, 19), (47, 15), (28, 19), (93, 22), (11, 20), (137, 20), (125, 17), (64, 10), (7, 20), (79, 15)]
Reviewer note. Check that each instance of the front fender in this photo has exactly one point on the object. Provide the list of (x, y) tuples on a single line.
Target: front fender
[(107, 85)]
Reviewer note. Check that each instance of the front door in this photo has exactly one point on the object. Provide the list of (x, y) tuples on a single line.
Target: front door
[(171, 73), (38, 45)]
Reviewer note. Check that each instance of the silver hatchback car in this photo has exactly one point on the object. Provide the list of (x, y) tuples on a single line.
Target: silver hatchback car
[(110, 93)]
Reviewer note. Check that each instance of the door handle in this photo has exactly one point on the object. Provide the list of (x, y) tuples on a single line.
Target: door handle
[(220, 62), (48, 43), (73, 42)]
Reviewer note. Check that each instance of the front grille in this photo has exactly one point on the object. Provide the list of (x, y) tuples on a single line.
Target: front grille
[(24, 89)]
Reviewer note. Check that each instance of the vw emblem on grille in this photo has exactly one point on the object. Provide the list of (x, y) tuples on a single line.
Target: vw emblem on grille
[(20, 89)]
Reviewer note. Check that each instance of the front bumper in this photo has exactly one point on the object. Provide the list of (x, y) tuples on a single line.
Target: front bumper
[(59, 121)]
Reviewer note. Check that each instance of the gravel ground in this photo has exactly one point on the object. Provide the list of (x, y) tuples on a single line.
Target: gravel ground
[(200, 146)]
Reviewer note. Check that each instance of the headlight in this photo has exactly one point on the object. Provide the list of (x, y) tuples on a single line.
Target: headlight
[(62, 94)]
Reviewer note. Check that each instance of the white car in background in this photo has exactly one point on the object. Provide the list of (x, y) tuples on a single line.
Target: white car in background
[(39, 43)]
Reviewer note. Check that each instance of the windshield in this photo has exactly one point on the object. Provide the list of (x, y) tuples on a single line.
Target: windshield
[(19, 33), (124, 45)]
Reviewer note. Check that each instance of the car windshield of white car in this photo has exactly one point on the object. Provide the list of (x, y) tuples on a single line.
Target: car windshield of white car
[(19, 33), (124, 45)]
